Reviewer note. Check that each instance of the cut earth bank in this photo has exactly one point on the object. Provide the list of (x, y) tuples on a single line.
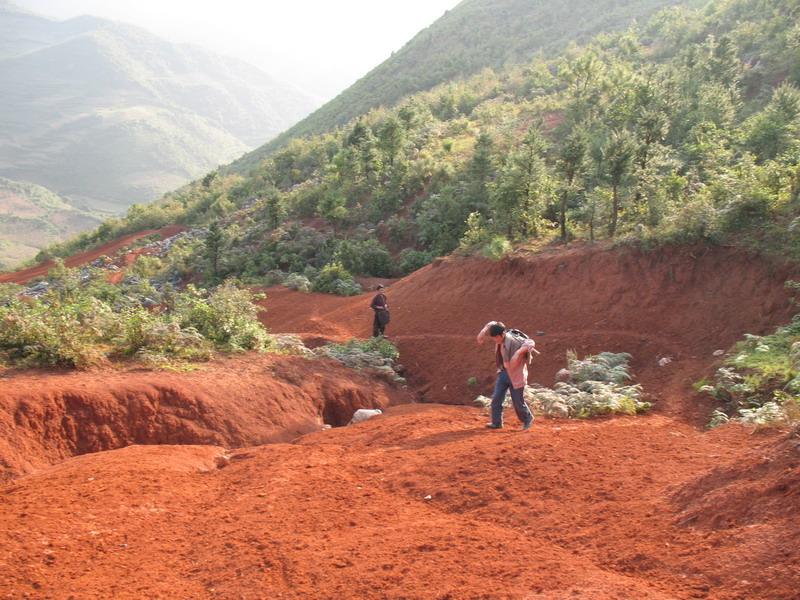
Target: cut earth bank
[(423, 502)]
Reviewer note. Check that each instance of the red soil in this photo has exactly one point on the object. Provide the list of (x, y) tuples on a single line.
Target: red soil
[(683, 304), (24, 276), (235, 402), (422, 502)]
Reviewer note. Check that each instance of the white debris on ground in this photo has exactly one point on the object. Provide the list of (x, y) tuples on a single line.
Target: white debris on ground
[(161, 247), (364, 414), (290, 343), (158, 248)]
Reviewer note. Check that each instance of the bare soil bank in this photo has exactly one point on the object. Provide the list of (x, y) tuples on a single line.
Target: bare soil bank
[(422, 502)]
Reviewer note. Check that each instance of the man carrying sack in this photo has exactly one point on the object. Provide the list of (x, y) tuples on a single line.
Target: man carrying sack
[(513, 351)]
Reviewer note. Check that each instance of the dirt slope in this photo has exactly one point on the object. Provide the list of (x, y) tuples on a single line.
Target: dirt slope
[(109, 249), (46, 417), (683, 304), (423, 502)]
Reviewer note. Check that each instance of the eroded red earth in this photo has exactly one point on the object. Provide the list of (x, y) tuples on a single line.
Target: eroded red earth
[(78, 260), (422, 502)]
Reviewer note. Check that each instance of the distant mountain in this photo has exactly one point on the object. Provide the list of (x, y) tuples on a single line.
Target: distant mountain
[(475, 35), (109, 115), (33, 217)]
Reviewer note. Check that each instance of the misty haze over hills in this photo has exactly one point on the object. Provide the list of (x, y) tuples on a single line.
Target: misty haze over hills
[(108, 115)]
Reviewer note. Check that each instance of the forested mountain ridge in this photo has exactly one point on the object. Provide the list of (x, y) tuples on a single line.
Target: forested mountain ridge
[(107, 114), (684, 129), (474, 35)]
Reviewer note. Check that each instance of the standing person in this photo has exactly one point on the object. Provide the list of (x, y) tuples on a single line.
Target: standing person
[(380, 307), (512, 352)]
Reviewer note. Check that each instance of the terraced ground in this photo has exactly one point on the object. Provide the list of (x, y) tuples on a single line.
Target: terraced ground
[(421, 502)]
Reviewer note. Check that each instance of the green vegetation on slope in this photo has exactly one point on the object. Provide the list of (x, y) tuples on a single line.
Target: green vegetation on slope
[(475, 35), (760, 382), (82, 321), (685, 129)]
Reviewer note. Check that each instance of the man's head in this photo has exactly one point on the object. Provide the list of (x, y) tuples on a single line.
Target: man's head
[(496, 331), (380, 287)]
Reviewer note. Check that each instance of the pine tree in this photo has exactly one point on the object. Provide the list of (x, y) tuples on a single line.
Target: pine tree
[(215, 240)]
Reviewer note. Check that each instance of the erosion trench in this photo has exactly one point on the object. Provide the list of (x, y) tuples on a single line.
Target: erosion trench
[(45, 418), (421, 502)]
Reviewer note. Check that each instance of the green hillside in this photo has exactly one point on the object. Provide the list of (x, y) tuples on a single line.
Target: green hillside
[(33, 217), (475, 35), (684, 129), (109, 115)]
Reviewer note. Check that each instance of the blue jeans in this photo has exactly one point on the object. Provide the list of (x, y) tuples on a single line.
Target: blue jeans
[(503, 384)]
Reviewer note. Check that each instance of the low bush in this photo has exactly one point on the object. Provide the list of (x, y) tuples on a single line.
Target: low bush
[(335, 279), (41, 333), (297, 282), (226, 316), (759, 384), (366, 257), (595, 386), (70, 326), (377, 353), (411, 260)]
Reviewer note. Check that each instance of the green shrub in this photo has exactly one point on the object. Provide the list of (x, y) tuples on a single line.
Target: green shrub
[(374, 353), (34, 333), (149, 336), (496, 247), (366, 257), (80, 324), (760, 382), (227, 317), (146, 266), (335, 279), (9, 291), (596, 387), (297, 282), (411, 260)]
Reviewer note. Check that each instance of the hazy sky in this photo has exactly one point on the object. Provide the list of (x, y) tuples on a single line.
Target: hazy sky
[(320, 45)]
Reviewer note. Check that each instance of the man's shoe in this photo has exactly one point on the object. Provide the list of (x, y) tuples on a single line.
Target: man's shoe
[(493, 426), (527, 424)]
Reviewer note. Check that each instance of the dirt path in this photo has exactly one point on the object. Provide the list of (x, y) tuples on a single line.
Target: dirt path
[(24, 276)]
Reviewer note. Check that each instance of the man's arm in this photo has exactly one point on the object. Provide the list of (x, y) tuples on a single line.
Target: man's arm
[(527, 347), (377, 303), (484, 333)]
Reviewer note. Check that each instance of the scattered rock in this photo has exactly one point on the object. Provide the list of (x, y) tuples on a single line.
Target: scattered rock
[(563, 375), (482, 401), (364, 414)]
